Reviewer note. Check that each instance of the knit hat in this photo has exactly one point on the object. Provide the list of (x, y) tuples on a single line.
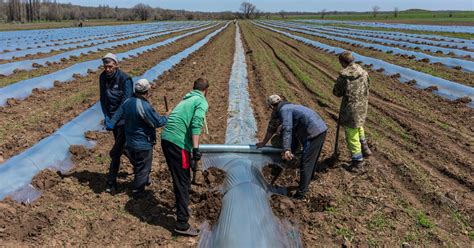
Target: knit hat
[(142, 86), (110, 56), (273, 99)]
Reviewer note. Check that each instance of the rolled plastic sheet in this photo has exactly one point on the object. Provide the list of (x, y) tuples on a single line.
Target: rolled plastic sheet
[(53, 152), (246, 218), (448, 89), (413, 38), (241, 124), (447, 61), (8, 68), (23, 89), (430, 28)]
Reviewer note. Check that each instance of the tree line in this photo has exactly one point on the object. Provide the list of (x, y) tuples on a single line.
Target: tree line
[(51, 10)]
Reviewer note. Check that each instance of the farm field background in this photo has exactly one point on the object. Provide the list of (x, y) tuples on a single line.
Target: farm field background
[(417, 189)]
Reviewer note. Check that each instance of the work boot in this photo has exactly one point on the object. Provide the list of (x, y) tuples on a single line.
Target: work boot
[(366, 152), (111, 188), (356, 166)]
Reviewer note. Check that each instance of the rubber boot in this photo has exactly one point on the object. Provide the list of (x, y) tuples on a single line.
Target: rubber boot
[(366, 152)]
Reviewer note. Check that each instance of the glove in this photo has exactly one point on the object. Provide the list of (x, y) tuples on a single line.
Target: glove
[(196, 154), (287, 156)]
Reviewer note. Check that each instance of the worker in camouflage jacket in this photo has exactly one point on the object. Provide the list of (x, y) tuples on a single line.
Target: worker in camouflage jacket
[(353, 86)]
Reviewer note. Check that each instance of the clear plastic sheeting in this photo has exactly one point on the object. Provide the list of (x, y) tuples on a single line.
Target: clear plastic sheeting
[(246, 218), (91, 42), (431, 28), (8, 68), (413, 38), (23, 89), (447, 61), (241, 124), (13, 40), (53, 151), (448, 89)]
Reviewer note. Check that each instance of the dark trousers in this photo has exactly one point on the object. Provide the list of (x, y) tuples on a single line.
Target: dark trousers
[(141, 161), (179, 166), (116, 153), (311, 151)]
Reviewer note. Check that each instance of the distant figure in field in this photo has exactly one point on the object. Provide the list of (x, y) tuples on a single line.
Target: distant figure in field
[(353, 86), (80, 24), (115, 87)]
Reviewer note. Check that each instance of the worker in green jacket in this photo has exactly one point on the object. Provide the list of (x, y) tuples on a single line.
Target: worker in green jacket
[(179, 140)]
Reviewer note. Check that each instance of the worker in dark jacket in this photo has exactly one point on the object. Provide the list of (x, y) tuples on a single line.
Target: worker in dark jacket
[(115, 87), (140, 120), (303, 125)]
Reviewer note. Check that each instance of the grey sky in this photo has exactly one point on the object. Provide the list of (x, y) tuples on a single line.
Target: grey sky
[(288, 5)]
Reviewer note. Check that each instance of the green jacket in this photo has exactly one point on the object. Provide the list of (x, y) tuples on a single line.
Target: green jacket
[(185, 120)]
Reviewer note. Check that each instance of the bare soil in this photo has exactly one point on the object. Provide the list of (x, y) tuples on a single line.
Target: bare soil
[(74, 210)]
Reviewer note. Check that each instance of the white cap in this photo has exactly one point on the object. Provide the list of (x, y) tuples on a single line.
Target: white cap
[(110, 56), (273, 99), (142, 86)]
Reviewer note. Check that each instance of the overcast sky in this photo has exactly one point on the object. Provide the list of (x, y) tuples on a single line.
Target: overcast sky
[(288, 5)]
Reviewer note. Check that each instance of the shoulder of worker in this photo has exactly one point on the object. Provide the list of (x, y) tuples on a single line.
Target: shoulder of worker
[(123, 75), (353, 71), (196, 96)]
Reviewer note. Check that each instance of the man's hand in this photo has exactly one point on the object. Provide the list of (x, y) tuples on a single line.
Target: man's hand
[(196, 154), (168, 113), (287, 156), (260, 145)]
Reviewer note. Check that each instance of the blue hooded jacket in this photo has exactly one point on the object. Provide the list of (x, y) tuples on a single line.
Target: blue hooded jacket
[(301, 121), (141, 120), (114, 91)]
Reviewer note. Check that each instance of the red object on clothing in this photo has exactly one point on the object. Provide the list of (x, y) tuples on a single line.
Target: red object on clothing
[(185, 159)]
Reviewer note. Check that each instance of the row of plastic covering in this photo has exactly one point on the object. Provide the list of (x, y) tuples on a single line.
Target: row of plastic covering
[(448, 89), (241, 124), (447, 61), (427, 46), (24, 44), (23, 89), (430, 28), (91, 42), (9, 68), (53, 151), (246, 218), (40, 36), (424, 39)]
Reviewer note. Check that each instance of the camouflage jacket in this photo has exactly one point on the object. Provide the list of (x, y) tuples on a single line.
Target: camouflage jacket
[(353, 85)]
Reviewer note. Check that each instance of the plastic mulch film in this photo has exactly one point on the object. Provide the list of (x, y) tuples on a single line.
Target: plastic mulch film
[(465, 65), (431, 28), (448, 89), (241, 124), (23, 89), (413, 38), (53, 151), (9, 68), (421, 44), (246, 218)]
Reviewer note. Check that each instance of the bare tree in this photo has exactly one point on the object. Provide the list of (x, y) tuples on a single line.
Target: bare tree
[(395, 12), (375, 10), (282, 14), (247, 9), (142, 11), (323, 13)]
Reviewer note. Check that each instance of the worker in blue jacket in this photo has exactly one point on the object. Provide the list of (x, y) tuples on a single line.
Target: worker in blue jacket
[(140, 123), (115, 87), (298, 124)]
